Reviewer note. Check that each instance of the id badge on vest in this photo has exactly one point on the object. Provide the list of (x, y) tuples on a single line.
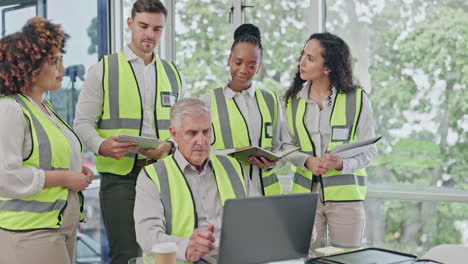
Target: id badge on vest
[(341, 133), (168, 99), (268, 130)]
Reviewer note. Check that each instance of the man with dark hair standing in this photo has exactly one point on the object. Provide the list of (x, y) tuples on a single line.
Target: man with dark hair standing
[(129, 92)]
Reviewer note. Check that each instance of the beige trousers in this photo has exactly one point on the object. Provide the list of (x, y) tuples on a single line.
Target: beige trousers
[(43, 246), (341, 222)]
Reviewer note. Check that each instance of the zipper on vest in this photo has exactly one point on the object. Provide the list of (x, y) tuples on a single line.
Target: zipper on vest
[(195, 215), (243, 117), (156, 99), (260, 174)]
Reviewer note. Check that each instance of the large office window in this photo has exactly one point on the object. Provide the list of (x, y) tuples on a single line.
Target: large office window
[(203, 38), (411, 57), (204, 35), (79, 19), (284, 26), (13, 16)]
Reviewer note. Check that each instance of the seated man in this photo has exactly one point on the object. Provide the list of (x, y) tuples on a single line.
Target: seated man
[(180, 198)]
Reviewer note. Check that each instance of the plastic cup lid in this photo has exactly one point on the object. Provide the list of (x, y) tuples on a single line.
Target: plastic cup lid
[(168, 247)]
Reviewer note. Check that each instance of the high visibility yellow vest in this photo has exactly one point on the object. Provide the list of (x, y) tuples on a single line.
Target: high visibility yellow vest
[(230, 130), (176, 196), (336, 186), (50, 151), (122, 108)]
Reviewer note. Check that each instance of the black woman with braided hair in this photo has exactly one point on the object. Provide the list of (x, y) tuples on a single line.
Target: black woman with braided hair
[(243, 115)]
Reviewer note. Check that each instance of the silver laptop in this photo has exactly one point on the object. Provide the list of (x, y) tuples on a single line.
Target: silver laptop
[(264, 229)]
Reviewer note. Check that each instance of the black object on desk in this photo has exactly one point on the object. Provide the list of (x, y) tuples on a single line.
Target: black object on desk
[(370, 256)]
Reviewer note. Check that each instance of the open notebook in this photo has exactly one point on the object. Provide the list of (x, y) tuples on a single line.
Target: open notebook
[(244, 153)]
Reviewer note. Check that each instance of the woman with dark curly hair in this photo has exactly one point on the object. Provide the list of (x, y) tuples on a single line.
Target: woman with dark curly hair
[(40, 158), (325, 108), (244, 115)]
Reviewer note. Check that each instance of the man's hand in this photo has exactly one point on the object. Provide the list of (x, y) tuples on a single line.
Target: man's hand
[(315, 165), (331, 162), (115, 149), (262, 162), (156, 153), (200, 243)]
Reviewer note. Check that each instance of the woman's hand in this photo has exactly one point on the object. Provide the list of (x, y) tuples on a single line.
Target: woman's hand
[(331, 162), (72, 180), (88, 172), (315, 165), (262, 162), (78, 181)]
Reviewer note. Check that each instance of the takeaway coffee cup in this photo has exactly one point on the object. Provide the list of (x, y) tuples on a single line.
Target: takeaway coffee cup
[(165, 253)]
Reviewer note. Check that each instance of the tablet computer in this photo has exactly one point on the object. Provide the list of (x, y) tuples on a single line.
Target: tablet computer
[(143, 142)]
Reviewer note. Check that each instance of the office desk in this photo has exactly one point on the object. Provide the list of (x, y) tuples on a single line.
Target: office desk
[(150, 260)]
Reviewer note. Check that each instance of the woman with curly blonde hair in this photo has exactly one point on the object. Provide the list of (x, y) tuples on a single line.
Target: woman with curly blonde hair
[(40, 158)]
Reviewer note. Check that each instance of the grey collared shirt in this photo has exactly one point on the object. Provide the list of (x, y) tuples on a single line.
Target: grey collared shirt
[(318, 126), (149, 211), (89, 105)]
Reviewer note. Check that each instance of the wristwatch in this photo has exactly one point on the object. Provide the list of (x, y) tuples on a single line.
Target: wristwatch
[(173, 147)]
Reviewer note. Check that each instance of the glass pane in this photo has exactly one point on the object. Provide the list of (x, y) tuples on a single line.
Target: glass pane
[(203, 39), (283, 27), (127, 11), (410, 56), (415, 227), (15, 17), (81, 49), (92, 234), (82, 52)]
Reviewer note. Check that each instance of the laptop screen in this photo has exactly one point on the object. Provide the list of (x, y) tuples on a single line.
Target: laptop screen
[(264, 229)]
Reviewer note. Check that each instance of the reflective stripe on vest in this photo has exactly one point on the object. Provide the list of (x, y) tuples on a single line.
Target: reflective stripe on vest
[(231, 131), (336, 186), (122, 106), (176, 196), (42, 210)]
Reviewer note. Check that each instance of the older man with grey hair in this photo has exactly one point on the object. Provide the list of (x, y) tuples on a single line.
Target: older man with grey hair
[(180, 198)]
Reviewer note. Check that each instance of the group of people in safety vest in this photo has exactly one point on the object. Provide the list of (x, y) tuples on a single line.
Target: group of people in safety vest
[(175, 192)]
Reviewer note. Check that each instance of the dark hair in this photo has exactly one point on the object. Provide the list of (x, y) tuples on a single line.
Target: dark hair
[(23, 53), (336, 57), (248, 33), (151, 6)]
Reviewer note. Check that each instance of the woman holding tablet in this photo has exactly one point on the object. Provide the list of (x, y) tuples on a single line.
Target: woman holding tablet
[(326, 108)]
